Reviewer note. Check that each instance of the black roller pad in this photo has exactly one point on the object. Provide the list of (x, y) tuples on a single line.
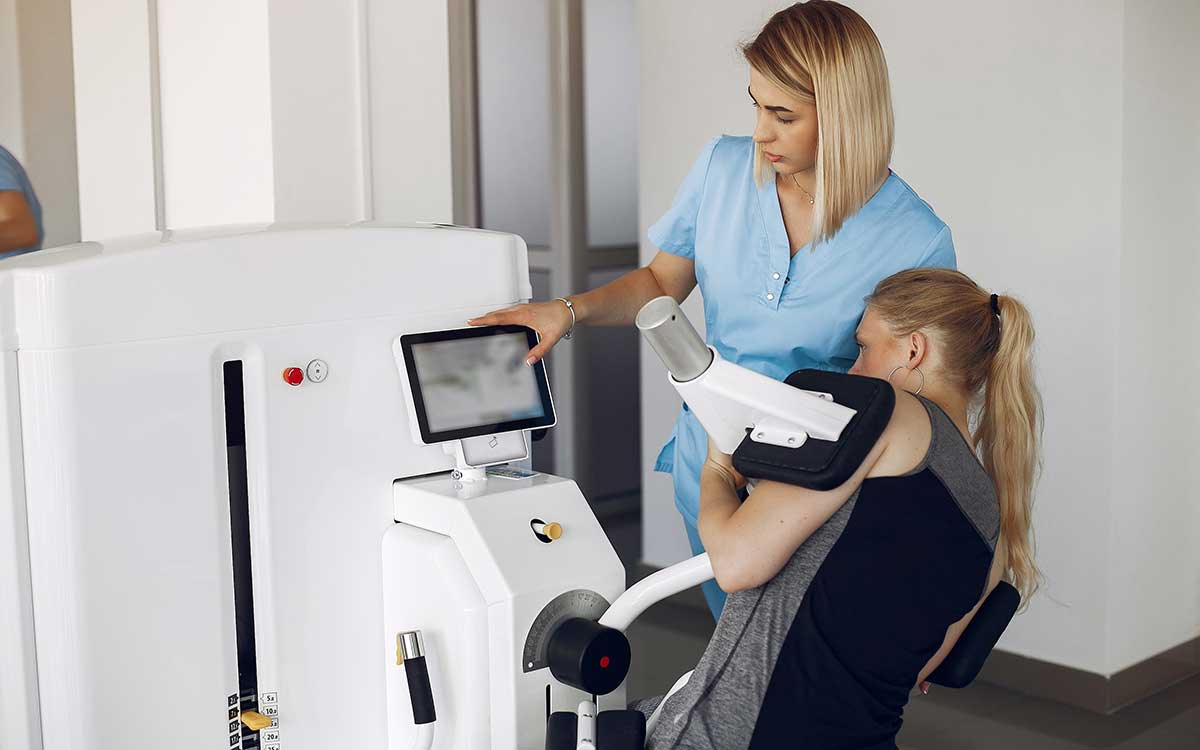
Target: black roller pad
[(588, 656), (971, 650), (823, 464)]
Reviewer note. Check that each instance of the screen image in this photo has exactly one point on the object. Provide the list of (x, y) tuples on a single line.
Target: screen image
[(476, 381)]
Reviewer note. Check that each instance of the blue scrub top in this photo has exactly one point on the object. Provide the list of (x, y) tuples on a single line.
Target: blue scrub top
[(765, 309)]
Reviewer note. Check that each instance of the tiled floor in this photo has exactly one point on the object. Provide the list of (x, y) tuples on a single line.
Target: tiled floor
[(670, 637)]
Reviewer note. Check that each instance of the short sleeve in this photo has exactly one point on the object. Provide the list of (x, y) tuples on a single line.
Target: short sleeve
[(675, 232), (9, 178), (940, 253)]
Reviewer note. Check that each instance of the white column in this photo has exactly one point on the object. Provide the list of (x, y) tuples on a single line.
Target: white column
[(113, 117), (409, 94), (214, 69), (317, 106)]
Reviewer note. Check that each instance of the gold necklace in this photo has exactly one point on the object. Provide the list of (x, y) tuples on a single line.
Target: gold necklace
[(811, 198)]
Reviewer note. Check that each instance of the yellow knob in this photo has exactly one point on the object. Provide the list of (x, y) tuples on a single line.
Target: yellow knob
[(553, 530), (255, 721)]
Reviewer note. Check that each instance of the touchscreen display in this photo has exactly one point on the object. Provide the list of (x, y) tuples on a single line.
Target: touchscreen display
[(473, 382)]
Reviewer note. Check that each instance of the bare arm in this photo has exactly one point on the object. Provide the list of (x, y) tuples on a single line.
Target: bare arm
[(749, 543), (18, 229), (616, 303)]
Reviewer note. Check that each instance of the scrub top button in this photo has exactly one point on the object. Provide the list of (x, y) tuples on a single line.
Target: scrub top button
[(770, 296), (774, 276)]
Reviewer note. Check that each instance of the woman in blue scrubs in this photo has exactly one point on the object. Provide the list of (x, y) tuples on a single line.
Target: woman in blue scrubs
[(786, 232)]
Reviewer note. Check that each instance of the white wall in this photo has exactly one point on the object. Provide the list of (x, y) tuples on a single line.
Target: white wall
[(1013, 132), (1154, 568)]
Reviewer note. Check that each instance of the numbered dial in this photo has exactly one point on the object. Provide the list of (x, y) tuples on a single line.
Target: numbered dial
[(577, 603)]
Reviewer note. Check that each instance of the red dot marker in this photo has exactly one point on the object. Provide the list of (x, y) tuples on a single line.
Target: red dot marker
[(604, 662), (293, 376)]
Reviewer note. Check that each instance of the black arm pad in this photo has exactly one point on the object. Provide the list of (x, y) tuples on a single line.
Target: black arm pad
[(615, 730), (964, 661), (822, 464), (562, 731)]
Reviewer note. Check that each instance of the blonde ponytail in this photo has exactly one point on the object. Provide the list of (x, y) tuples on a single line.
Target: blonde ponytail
[(987, 349), (1006, 437)]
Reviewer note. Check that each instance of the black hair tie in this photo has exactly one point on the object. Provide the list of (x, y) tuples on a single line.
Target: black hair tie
[(996, 305)]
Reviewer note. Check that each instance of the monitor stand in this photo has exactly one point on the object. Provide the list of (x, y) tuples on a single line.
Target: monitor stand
[(472, 455)]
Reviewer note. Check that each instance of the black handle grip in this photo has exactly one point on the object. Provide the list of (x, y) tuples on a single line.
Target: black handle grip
[(419, 690)]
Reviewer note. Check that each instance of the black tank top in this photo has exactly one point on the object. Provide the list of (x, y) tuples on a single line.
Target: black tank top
[(824, 655)]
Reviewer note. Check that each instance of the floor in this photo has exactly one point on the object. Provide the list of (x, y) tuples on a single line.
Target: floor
[(669, 638)]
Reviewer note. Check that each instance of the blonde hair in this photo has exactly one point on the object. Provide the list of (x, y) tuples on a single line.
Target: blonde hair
[(993, 354), (824, 53)]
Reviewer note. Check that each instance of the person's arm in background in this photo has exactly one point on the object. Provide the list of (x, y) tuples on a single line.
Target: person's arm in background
[(614, 304), (18, 229)]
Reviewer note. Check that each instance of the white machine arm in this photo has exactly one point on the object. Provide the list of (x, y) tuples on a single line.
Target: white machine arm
[(656, 587), (729, 399)]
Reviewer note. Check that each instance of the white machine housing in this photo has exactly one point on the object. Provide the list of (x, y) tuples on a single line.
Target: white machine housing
[(117, 603)]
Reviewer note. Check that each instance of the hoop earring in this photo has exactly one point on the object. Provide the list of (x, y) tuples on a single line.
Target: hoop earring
[(916, 370)]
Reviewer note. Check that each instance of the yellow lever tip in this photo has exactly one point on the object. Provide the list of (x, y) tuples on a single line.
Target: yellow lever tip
[(553, 530), (255, 721)]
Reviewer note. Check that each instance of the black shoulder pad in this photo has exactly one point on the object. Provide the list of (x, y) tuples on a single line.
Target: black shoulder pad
[(823, 464)]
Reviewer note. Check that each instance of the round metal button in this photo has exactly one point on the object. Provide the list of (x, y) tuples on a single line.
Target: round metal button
[(317, 370)]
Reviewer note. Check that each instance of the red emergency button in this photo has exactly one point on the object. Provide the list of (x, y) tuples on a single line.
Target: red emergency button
[(293, 376)]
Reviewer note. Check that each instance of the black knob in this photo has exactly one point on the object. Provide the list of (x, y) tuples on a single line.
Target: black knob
[(589, 656)]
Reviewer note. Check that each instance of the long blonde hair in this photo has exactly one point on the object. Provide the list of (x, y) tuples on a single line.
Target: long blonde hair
[(992, 354), (824, 53)]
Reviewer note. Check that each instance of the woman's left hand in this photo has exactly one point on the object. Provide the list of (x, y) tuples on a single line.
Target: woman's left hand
[(725, 461)]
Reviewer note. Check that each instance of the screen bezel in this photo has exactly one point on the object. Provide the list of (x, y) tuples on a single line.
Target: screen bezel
[(429, 437)]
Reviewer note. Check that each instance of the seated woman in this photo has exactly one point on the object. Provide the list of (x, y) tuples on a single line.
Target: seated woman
[(841, 601)]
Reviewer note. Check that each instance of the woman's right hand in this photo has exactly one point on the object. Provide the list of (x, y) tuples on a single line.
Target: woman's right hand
[(550, 319)]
